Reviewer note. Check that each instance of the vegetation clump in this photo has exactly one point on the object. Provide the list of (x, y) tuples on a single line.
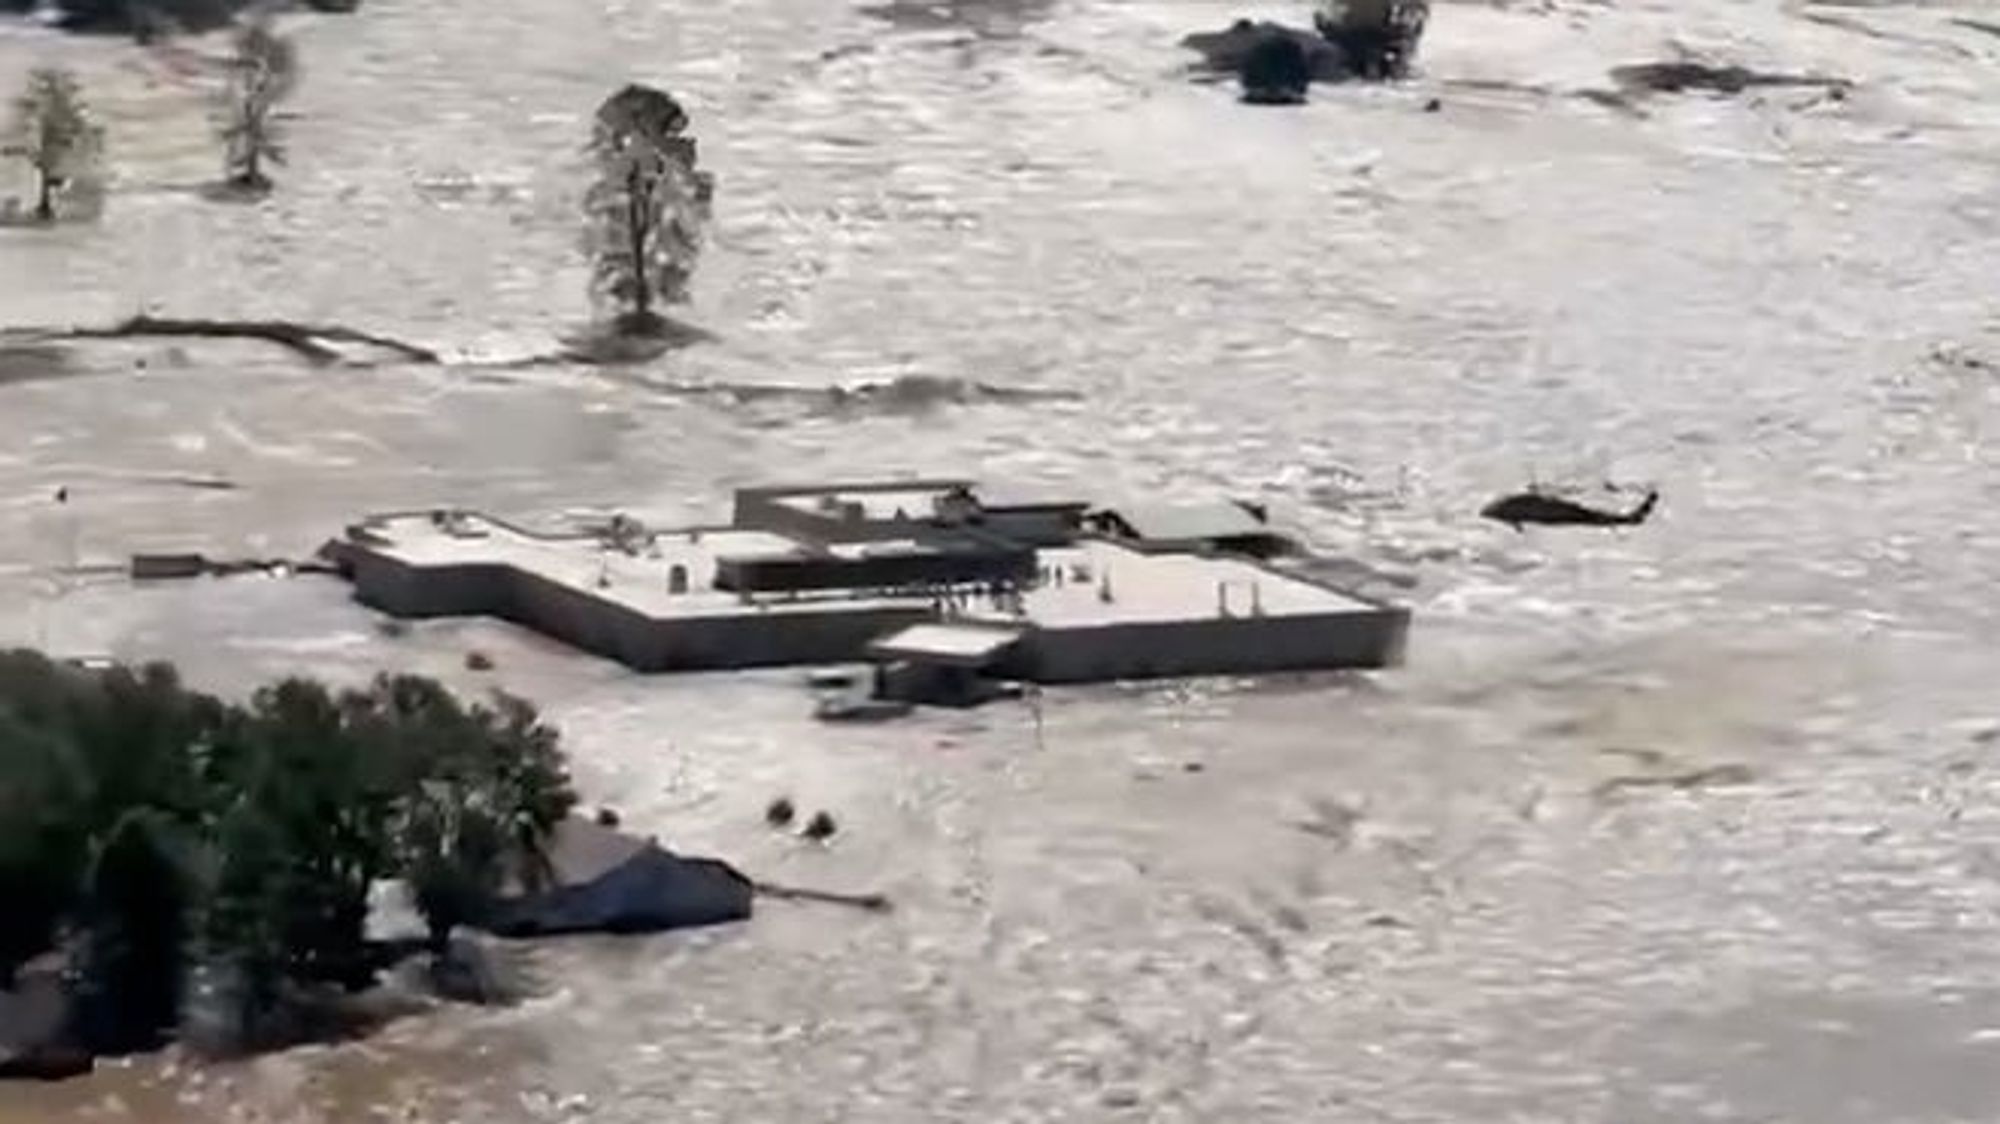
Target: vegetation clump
[(1276, 72), (1379, 37), (156, 834)]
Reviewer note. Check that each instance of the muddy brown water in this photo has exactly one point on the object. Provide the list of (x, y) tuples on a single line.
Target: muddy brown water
[(1373, 318)]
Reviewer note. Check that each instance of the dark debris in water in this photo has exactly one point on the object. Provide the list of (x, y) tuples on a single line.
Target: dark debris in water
[(923, 392), (904, 394), (34, 354), (1331, 821), (781, 812), (33, 362), (1684, 75), (1952, 358), (1685, 780), (1239, 921), (32, 350), (181, 480), (872, 903), (1984, 26), (317, 344)]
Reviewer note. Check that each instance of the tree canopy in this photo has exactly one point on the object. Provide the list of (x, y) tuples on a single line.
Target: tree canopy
[(53, 130), (647, 208), (145, 827)]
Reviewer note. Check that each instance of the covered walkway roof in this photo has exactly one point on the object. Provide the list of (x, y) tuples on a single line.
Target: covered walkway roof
[(952, 645)]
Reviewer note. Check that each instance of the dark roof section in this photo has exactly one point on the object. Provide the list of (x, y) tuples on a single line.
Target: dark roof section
[(610, 882)]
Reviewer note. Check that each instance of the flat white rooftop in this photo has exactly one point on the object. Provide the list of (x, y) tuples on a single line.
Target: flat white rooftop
[(1144, 587), (1155, 588), (1066, 614), (968, 645), (640, 582)]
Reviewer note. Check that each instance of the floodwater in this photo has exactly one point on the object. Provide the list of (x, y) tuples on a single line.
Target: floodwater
[(1410, 897)]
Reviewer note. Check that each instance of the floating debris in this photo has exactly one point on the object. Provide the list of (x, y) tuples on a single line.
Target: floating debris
[(874, 903), (1704, 777), (820, 828), (313, 342), (1332, 821), (780, 813), (1683, 75)]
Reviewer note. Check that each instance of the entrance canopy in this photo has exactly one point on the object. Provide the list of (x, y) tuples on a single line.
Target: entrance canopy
[(951, 645)]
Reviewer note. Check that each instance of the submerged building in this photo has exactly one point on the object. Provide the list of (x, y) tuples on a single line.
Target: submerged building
[(946, 586)]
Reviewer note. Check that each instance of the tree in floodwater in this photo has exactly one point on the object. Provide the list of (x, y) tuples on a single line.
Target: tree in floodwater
[(138, 895), (484, 788), (44, 836), (1379, 36), (263, 70), (157, 837), (1276, 71), (54, 132), (647, 208)]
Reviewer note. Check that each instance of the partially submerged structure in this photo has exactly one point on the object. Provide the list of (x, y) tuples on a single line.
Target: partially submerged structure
[(606, 881), (947, 588)]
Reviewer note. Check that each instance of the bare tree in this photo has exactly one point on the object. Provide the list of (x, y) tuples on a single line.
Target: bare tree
[(54, 132), (647, 209), (262, 71)]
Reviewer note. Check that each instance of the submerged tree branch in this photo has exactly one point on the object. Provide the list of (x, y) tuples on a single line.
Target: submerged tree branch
[(309, 341), (625, 343), (873, 903)]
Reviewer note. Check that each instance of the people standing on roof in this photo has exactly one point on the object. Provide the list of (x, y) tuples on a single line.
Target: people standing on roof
[(957, 505)]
